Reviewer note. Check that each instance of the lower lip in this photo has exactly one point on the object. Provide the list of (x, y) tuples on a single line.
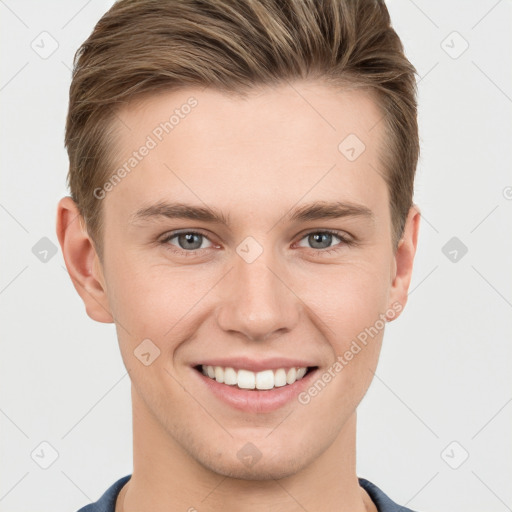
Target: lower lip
[(256, 401)]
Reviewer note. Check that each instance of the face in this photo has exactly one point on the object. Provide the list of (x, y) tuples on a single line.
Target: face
[(252, 234)]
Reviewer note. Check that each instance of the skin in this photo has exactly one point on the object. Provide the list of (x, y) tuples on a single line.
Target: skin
[(256, 159)]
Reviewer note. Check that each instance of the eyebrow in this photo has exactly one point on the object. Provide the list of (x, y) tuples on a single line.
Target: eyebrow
[(318, 210)]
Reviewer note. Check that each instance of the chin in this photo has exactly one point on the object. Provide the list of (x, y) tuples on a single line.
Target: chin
[(263, 467), (261, 471)]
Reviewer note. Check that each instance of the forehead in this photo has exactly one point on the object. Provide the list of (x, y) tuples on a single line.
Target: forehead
[(285, 142)]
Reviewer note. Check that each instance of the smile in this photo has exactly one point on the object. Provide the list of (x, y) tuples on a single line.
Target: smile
[(264, 388), (247, 379)]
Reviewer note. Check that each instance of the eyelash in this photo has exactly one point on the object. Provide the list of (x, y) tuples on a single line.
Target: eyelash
[(344, 241)]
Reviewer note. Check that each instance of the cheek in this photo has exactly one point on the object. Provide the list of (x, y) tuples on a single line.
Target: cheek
[(350, 311), (150, 300), (346, 299)]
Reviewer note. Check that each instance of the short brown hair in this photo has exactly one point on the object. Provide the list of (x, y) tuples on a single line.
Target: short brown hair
[(147, 46)]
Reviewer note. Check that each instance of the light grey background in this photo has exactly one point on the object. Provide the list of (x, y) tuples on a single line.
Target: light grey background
[(444, 374)]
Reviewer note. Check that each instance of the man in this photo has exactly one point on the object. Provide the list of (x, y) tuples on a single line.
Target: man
[(241, 177)]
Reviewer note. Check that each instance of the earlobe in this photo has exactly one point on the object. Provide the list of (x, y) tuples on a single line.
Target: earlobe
[(404, 259), (82, 260)]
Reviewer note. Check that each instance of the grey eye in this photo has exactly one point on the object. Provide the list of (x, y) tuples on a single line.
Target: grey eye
[(320, 240), (188, 241)]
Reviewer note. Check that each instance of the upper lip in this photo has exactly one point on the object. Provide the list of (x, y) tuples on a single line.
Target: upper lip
[(256, 365)]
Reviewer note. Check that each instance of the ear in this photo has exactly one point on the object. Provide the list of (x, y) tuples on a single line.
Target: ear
[(404, 259), (82, 261)]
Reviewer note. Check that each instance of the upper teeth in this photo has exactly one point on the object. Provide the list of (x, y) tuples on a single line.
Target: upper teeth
[(245, 379)]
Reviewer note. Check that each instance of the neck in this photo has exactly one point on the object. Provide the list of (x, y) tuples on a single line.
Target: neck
[(166, 478)]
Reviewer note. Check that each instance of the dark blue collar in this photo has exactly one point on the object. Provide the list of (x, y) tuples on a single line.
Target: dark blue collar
[(107, 502)]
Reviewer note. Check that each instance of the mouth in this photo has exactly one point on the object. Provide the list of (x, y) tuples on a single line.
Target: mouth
[(254, 391), (248, 380)]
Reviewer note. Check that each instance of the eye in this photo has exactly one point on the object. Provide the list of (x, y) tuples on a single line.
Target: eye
[(187, 241), (322, 240)]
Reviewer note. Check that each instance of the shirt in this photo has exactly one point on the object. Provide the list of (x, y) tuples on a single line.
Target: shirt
[(107, 502)]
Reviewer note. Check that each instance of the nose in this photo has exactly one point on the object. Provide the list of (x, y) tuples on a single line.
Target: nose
[(258, 301)]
